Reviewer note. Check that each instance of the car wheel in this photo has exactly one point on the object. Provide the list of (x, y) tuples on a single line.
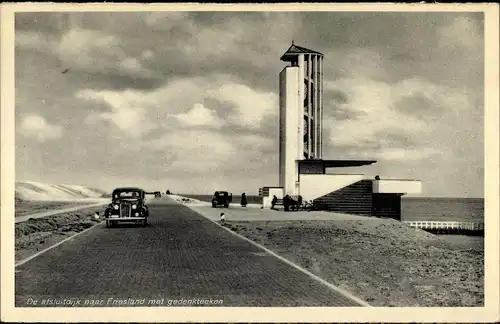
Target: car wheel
[(145, 223), (107, 224), (226, 205), (213, 205)]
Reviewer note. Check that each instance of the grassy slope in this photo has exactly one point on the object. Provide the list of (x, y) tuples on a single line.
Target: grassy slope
[(23, 208), (382, 262)]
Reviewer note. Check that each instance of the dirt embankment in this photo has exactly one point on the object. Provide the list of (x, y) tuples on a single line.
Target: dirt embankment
[(37, 234), (23, 208), (382, 262)]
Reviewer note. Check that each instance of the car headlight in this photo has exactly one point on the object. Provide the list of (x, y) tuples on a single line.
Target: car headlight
[(134, 206), (116, 207)]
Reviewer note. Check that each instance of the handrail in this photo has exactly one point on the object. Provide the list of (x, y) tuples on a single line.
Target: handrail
[(423, 224)]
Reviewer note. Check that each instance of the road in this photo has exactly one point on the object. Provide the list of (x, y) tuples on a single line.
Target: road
[(181, 255)]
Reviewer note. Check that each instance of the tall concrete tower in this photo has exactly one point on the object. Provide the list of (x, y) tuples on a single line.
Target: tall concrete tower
[(301, 111)]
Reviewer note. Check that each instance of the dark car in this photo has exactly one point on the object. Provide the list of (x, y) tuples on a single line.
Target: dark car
[(127, 205), (222, 198)]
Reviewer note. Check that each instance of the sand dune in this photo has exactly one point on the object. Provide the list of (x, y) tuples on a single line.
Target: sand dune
[(37, 191)]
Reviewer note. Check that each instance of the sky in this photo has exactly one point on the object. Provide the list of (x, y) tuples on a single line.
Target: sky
[(188, 101)]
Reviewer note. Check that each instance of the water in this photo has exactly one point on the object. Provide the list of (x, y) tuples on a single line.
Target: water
[(443, 209), (413, 209)]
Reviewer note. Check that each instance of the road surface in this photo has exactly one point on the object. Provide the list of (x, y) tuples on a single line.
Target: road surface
[(180, 257)]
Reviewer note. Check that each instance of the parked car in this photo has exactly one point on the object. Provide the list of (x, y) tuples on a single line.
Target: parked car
[(222, 198), (127, 205)]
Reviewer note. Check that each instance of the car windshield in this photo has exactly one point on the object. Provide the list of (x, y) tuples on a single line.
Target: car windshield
[(127, 194), (221, 193)]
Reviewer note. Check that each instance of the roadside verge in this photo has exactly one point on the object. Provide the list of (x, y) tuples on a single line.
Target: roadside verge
[(38, 235)]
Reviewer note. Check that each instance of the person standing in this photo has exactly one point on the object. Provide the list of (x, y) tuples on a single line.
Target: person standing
[(274, 201), (243, 200), (286, 202), (299, 202)]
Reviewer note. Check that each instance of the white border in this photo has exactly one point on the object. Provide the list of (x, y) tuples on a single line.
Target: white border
[(489, 313)]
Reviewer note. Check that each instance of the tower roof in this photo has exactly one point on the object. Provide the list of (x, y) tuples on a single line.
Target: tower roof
[(294, 50)]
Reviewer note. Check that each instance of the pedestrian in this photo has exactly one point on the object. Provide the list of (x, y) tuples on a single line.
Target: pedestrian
[(243, 200), (286, 202), (222, 218), (274, 201), (299, 202)]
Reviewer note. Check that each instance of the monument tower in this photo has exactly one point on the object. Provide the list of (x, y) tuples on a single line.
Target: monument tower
[(301, 111), (302, 168)]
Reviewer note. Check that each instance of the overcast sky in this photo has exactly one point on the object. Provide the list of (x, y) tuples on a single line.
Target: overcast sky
[(189, 101)]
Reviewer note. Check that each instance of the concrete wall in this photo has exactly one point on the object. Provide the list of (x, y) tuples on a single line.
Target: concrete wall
[(397, 186), (282, 127), (289, 129), (266, 200), (313, 186)]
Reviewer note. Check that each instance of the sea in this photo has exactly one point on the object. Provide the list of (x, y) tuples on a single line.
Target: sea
[(412, 209)]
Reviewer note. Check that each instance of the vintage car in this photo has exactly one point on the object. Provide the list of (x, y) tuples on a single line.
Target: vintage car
[(127, 205), (222, 198)]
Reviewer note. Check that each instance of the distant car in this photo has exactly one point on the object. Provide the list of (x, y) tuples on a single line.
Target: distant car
[(127, 205), (222, 198)]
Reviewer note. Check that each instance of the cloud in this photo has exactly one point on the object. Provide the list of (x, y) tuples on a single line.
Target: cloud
[(166, 20), (175, 119), (199, 115), (133, 66), (182, 99), (198, 151), (147, 54), (37, 127), (463, 33), (89, 49), (251, 106), (35, 41), (392, 121), (127, 111), (401, 154), (202, 151)]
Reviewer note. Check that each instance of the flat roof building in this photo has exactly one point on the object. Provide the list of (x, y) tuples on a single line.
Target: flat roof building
[(302, 168)]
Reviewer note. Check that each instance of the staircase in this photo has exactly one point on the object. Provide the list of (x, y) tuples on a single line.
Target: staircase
[(356, 198)]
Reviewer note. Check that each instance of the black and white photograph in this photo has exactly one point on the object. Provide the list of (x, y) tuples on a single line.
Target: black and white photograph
[(210, 159)]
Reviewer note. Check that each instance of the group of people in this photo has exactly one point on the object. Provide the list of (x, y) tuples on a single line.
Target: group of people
[(288, 202)]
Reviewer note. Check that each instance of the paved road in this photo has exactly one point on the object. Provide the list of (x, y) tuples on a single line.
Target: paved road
[(180, 256)]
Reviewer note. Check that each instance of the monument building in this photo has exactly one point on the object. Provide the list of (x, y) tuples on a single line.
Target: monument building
[(302, 169)]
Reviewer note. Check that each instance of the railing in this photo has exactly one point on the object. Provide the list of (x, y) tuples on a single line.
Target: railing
[(440, 226)]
